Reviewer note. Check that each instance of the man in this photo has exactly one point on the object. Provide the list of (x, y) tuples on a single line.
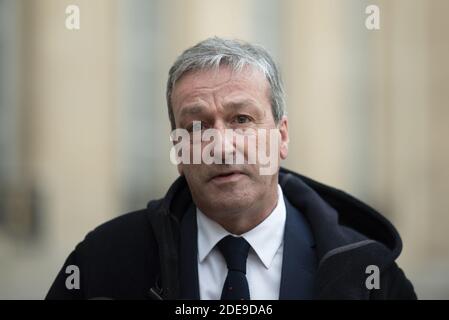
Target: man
[(226, 231)]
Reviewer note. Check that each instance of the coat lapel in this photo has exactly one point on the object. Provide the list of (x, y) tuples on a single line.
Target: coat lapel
[(299, 260), (189, 256)]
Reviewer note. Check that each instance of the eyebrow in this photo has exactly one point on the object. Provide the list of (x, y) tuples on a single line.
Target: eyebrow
[(195, 109), (191, 110), (241, 103)]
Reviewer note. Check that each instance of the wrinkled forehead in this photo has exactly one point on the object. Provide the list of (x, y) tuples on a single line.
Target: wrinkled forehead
[(221, 82)]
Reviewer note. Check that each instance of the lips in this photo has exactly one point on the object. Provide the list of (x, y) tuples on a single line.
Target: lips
[(227, 176)]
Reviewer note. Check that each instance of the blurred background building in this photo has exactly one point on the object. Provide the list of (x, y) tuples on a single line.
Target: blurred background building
[(84, 132)]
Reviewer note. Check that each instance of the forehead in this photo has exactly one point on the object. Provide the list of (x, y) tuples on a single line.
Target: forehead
[(221, 83)]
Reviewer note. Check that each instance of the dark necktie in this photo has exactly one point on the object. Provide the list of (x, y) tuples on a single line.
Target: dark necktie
[(235, 251)]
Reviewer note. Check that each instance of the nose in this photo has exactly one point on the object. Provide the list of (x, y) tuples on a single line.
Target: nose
[(224, 145)]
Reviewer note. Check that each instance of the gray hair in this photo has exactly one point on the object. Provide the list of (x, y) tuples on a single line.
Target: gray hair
[(213, 52)]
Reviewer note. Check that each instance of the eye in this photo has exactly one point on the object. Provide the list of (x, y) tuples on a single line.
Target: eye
[(242, 119)]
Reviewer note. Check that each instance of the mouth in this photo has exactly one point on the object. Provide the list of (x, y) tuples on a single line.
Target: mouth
[(228, 176)]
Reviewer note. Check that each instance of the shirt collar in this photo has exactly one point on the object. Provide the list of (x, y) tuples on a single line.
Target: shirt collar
[(265, 238)]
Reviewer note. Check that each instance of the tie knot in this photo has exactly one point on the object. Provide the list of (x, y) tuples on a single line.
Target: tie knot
[(235, 251)]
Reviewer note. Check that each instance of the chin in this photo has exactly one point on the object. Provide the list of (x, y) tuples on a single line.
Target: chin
[(230, 201)]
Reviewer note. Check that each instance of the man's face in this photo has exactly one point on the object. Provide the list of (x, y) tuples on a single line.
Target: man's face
[(222, 99)]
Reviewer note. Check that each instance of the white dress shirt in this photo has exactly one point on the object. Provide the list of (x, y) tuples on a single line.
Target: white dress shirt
[(264, 264)]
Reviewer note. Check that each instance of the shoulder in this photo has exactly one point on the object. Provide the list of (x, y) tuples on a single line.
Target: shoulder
[(118, 259), (393, 285), (127, 234), (123, 228), (396, 285)]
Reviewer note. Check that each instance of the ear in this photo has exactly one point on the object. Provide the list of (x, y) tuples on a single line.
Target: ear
[(283, 131)]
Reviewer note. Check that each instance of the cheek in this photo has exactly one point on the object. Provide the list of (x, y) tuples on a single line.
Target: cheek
[(193, 174), (194, 184), (267, 143)]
